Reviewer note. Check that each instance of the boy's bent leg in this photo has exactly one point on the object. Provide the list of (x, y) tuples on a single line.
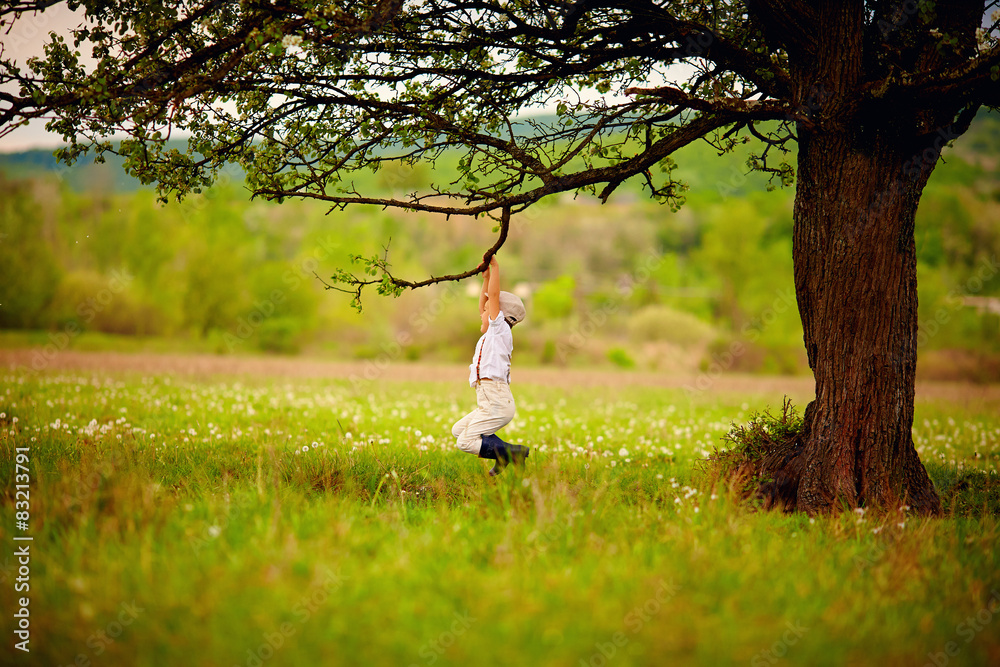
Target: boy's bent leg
[(470, 441), (496, 409), (500, 401), (463, 440), (459, 428)]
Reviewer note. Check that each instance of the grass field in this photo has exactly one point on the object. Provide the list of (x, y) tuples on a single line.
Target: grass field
[(190, 519)]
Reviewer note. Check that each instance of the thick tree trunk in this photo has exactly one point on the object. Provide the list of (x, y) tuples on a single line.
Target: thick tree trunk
[(856, 284)]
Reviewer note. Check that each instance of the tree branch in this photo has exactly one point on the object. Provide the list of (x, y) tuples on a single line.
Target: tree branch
[(25, 7), (391, 285), (791, 24), (972, 81)]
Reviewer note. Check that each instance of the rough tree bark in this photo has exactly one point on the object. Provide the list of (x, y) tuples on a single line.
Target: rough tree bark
[(861, 173), (856, 284)]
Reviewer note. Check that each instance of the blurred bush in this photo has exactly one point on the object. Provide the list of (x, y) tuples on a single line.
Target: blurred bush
[(554, 299), (89, 301), (663, 323), (958, 365), (737, 355), (548, 352), (281, 334), (620, 357), (29, 270)]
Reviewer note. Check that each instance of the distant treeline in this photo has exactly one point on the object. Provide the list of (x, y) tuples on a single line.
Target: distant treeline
[(628, 282)]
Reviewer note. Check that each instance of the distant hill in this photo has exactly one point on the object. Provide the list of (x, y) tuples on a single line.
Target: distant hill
[(977, 153), (85, 175)]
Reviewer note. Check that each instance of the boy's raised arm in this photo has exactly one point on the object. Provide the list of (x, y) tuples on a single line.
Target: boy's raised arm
[(493, 288), (484, 290)]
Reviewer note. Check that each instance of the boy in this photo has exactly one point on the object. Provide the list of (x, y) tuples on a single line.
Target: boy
[(489, 375)]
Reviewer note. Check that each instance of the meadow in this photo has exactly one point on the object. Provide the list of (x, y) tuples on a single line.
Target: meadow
[(249, 519)]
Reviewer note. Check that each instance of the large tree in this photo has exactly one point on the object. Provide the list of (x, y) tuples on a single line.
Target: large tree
[(301, 93)]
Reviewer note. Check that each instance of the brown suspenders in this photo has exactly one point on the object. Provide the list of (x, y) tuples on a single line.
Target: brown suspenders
[(480, 358)]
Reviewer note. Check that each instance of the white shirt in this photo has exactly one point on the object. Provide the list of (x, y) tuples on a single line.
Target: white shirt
[(497, 346)]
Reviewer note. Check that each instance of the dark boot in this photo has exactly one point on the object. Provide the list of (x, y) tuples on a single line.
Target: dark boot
[(504, 453), (489, 450), (486, 449)]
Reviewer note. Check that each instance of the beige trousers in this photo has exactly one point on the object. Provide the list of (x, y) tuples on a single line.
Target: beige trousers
[(495, 409)]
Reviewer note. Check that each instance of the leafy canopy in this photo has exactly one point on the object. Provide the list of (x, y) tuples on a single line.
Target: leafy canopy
[(301, 94)]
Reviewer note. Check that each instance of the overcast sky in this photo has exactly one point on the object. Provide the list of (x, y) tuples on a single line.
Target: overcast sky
[(26, 39)]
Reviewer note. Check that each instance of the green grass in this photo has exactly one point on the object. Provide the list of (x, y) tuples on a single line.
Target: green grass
[(96, 341), (247, 521)]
